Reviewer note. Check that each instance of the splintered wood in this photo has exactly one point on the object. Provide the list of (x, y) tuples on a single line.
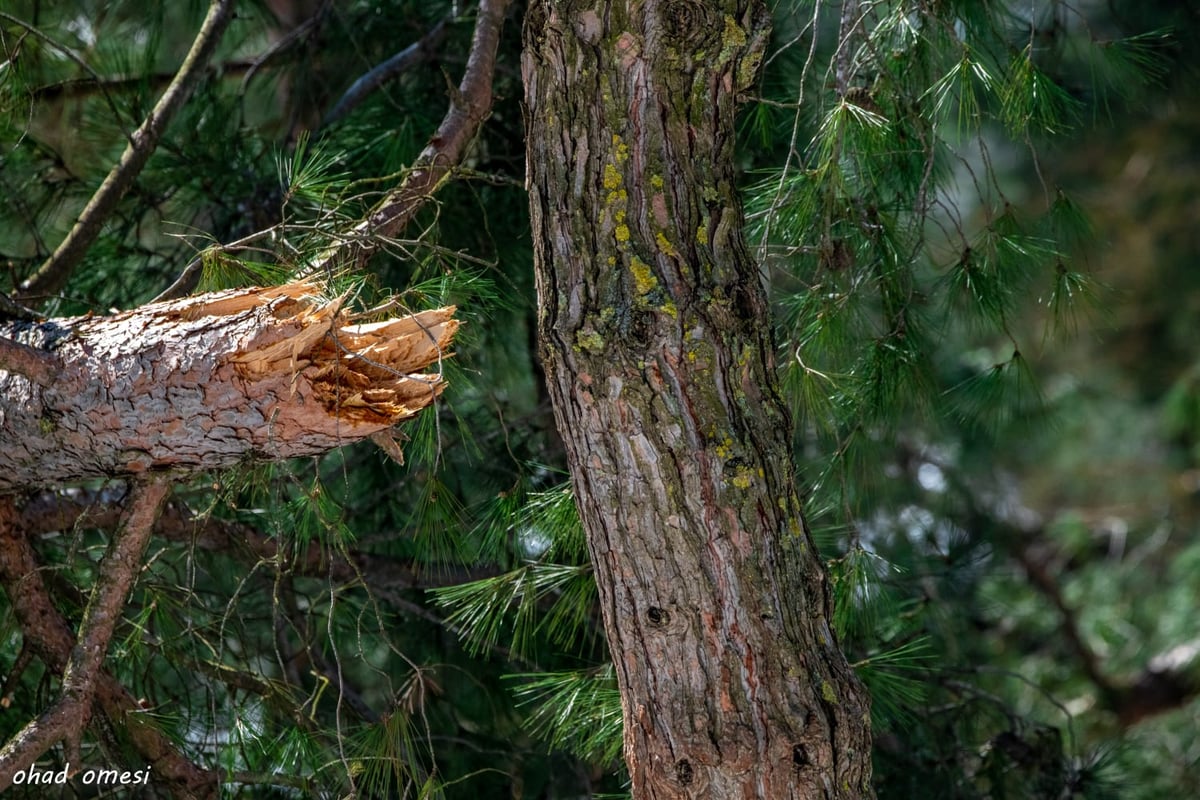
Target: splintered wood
[(369, 373), (209, 381)]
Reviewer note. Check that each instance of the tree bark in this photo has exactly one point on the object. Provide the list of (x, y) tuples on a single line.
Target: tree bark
[(207, 382), (656, 340)]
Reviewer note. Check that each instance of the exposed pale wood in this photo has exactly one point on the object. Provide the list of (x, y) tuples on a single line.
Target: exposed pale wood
[(212, 380)]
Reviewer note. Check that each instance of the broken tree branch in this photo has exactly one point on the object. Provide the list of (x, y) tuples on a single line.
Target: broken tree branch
[(210, 381), (52, 275)]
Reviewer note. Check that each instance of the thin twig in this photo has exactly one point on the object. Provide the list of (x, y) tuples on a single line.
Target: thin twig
[(50, 511), (11, 309), (414, 54), (297, 35), (189, 279), (469, 107), (52, 275), (66, 51), (81, 87), (850, 19), (46, 633)]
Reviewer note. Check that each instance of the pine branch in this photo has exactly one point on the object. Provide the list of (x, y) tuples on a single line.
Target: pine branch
[(1166, 682), (11, 309), (78, 60), (70, 714), (51, 511), (52, 275), (469, 107), (1047, 585), (362, 88), (46, 633)]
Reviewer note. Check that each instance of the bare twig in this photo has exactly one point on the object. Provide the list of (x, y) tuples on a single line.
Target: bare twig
[(11, 309), (18, 668), (82, 87), (307, 29), (414, 54), (189, 279), (309, 653), (851, 16), (47, 635), (470, 105), (52, 275)]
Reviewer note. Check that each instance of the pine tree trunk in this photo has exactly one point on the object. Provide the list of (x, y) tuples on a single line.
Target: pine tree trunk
[(655, 337), (205, 383)]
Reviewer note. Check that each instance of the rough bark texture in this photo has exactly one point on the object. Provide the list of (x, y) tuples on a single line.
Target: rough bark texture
[(209, 381), (658, 354)]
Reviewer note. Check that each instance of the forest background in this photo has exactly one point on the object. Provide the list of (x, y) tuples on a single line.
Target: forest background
[(986, 307)]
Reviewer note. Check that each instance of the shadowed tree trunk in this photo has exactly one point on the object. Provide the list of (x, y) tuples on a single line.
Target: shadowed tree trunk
[(656, 341)]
